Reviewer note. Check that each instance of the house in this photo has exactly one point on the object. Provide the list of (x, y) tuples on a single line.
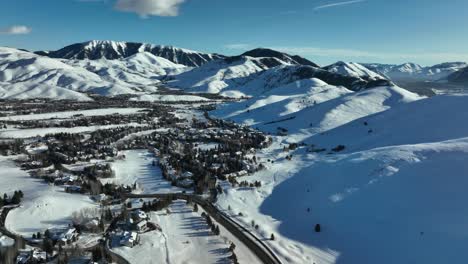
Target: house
[(31, 256), (187, 175), (63, 236), (99, 198), (70, 235), (139, 215), (185, 183), (129, 239), (66, 180), (73, 189), (142, 226)]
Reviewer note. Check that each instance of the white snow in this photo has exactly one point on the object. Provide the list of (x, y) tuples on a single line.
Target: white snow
[(395, 196), (137, 168), (353, 69), (6, 241), (43, 206), (185, 238)]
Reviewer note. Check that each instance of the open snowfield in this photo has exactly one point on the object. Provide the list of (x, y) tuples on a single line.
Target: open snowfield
[(46, 207), (393, 196), (70, 114), (185, 238), (138, 168), (13, 178), (43, 206)]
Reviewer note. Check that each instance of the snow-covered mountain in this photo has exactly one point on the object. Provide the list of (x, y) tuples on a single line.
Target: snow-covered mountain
[(269, 53), (459, 77), (249, 76), (412, 71), (354, 70), (141, 69), (28, 75), (94, 50), (311, 106)]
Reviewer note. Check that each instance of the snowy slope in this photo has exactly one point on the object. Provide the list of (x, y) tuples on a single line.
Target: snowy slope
[(95, 50), (247, 76), (395, 195), (218, 75), (313, 109), (279, 102), (339, 111), (25, 74), (459, 77), (424, 121), (352, 69), (141, 70)]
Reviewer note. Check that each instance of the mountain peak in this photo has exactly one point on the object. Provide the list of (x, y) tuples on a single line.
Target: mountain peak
[(291, 59)]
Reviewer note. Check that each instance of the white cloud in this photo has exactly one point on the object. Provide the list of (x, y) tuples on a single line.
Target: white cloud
[(338, 4), (16, 30), (146, 8)]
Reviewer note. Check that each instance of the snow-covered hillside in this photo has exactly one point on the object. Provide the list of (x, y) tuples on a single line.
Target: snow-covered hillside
[(459, 77), (141, 70), (95, 50), (26, 75), (353, 69), (276, 103), (248, 76), (312, 107), (394, 195)]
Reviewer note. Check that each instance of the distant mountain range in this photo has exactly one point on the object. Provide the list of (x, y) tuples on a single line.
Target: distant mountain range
[(459, 77), (416, 72), (111, 68), (112, 50)]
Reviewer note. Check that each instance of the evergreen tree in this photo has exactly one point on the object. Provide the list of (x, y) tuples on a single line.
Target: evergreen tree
[(317, 228), (272, 237), (48, 246)]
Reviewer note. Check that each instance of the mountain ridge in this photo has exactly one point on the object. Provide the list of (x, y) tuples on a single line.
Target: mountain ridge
[(111, 50)]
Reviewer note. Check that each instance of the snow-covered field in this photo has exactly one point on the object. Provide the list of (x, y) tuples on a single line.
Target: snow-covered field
[(43, 207), (138, 168), (185, 238), (12, 178)]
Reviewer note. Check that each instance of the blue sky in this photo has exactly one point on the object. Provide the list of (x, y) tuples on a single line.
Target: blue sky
[(325, 31)]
